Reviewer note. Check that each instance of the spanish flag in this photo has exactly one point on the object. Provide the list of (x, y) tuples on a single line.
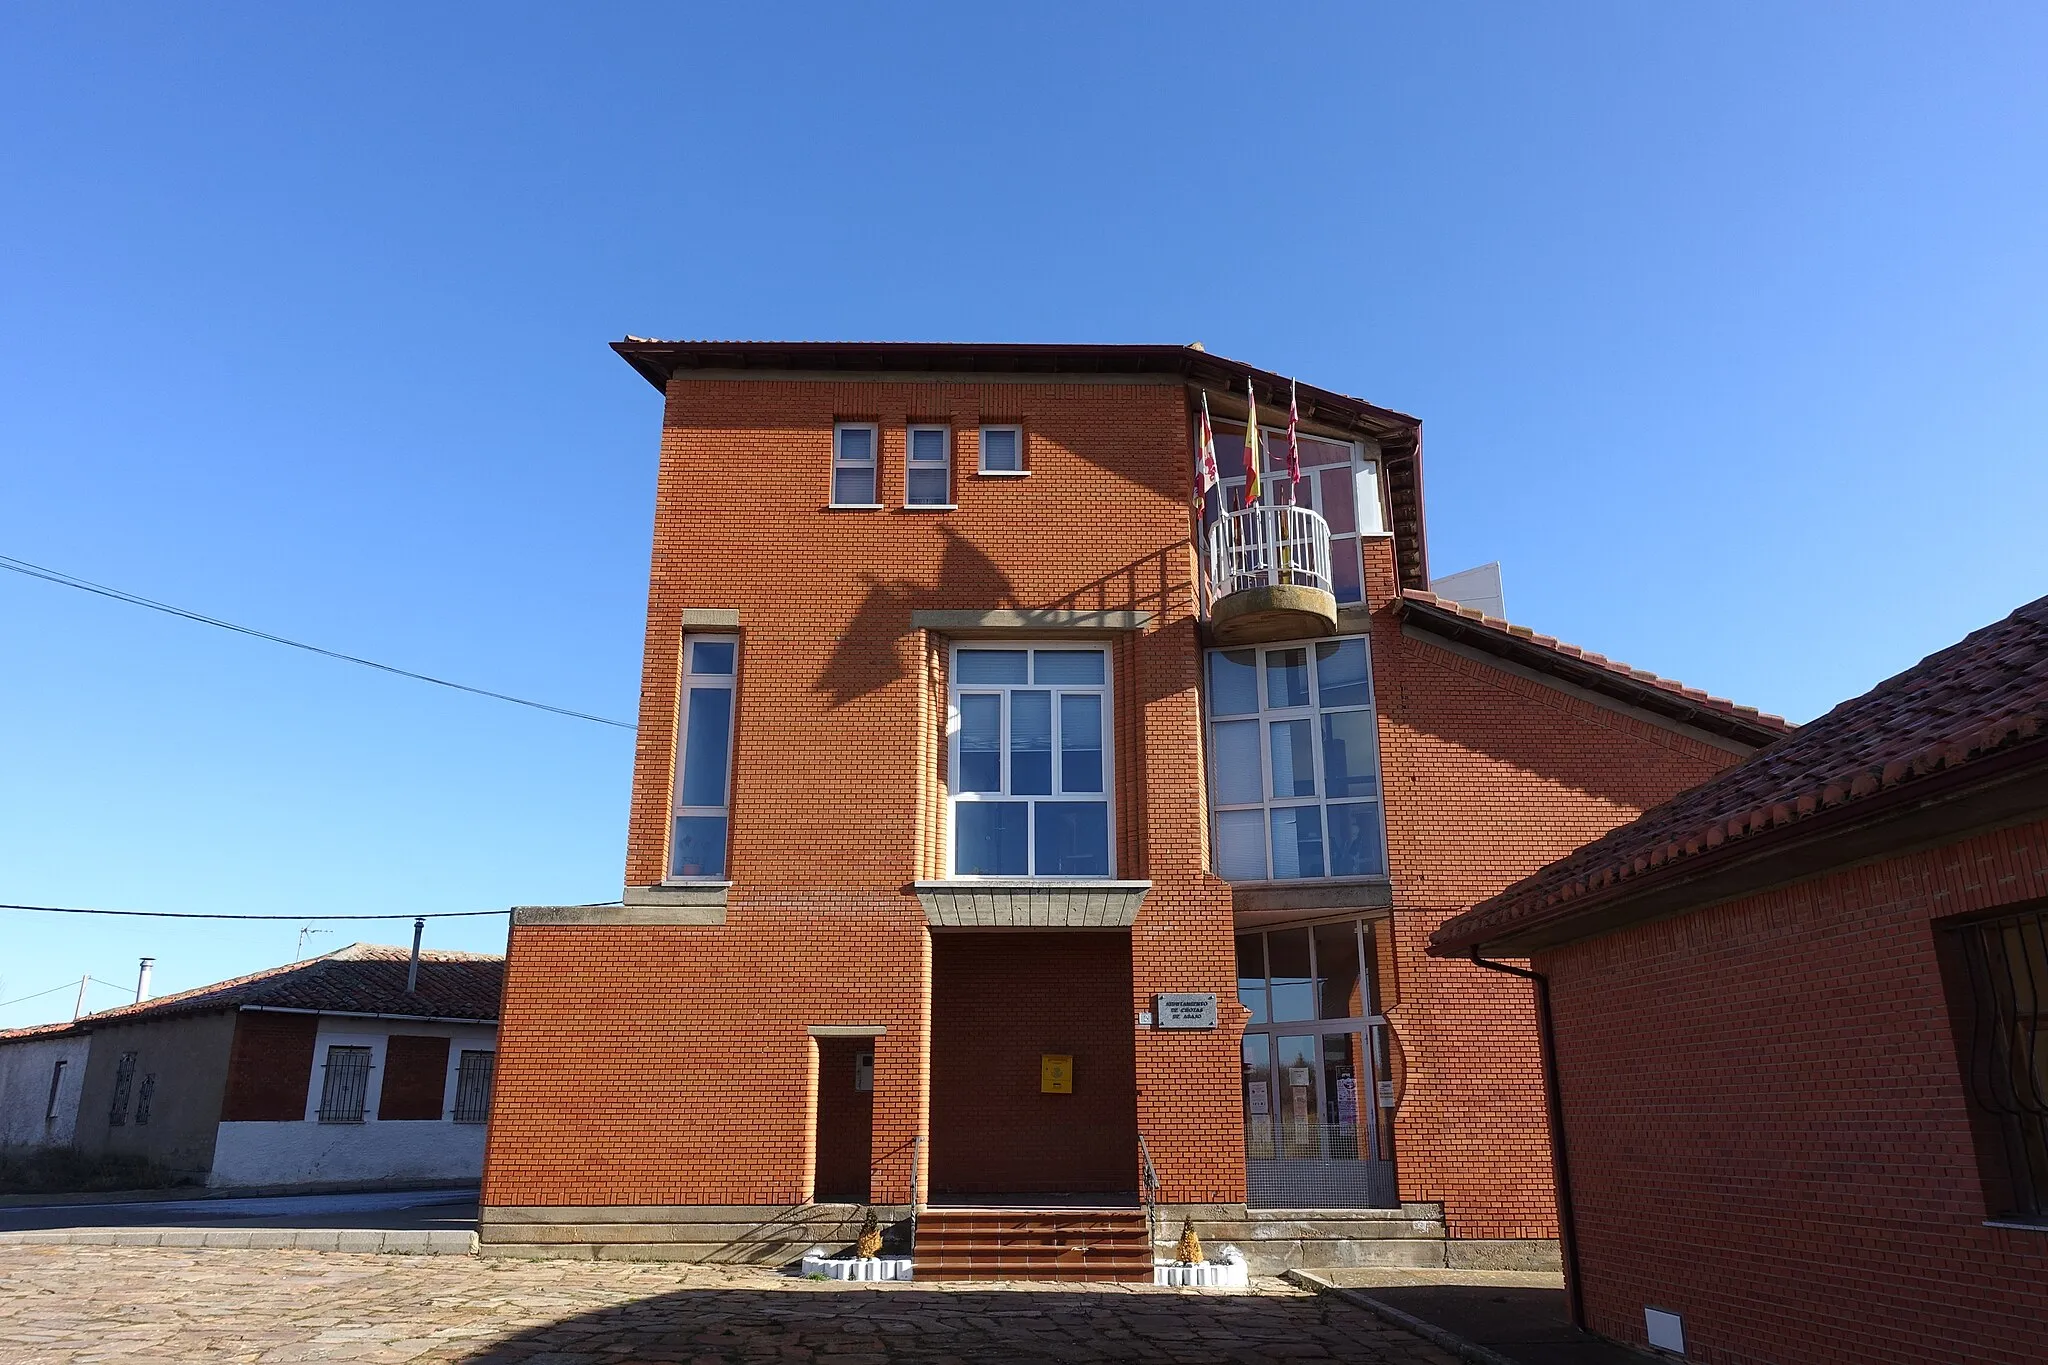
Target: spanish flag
[(1252, 488)]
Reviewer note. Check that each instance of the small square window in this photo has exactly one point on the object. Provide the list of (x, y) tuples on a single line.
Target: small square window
[(853, 466), (1002, 450), (927, 479)]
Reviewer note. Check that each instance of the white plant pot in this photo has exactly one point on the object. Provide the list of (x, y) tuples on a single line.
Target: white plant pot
[(1207, 1275), (857, 1268)]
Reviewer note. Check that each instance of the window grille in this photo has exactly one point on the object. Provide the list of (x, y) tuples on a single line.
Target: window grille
[(345, 1086), (142, 1100), (56, 1084), (473, 1085), (2007, 961), (124, 1080)]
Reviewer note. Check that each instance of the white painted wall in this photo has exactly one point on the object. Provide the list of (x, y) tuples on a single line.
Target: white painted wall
[(309, 1151), (25, 1069)]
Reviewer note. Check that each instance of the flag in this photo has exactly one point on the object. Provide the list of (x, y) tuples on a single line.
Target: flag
[(1205, 465), (1251, 449), (1293, 441)]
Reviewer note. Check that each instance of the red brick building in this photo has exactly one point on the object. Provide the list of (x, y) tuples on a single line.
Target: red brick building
[(1798, 1033), (1004, 832)]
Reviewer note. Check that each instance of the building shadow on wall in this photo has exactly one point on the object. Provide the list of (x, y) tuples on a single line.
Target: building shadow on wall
[(867, 656), (913, 1323)]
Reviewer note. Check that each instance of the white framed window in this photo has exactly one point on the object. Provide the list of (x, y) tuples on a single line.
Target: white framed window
[(928, 468), (1294, 772), (703, 782), (1002, 450), (1340, 481), (854, 465), (1031, 761)]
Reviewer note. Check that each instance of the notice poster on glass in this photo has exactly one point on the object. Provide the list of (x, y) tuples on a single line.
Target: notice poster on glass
[(1347, 1100)]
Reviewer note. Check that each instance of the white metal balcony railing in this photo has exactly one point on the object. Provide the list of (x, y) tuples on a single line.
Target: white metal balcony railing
[(1267, 547)]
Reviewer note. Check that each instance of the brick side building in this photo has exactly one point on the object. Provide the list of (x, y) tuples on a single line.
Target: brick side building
[(963, 742), (1798, 1032)]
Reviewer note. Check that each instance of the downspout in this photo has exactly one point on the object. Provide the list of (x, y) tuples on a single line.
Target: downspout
[(1553, 1104)]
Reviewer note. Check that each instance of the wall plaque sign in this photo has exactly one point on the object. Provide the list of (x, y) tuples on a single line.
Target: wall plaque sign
[(1185, 1011)]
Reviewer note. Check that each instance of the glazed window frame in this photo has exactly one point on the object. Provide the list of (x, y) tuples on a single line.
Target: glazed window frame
[(1015, 431), (914, 465), (700, 828), (869, 464), (975, 792)]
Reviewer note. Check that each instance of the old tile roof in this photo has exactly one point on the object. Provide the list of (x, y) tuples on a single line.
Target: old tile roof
[(1596, 672), (363, 978), (1398, 435), (1984, 696)]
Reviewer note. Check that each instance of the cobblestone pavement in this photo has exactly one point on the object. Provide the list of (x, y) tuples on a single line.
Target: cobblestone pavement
[(78, 1304)]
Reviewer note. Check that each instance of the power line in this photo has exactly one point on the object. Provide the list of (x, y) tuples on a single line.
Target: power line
[(23, 567), (289, 919), (40, 994)]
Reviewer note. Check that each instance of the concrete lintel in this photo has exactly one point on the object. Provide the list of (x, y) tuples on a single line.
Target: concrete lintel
[(957, 622), (1031, 903), (848, 1030), (1363, 893), (703, 905), (711, 618)]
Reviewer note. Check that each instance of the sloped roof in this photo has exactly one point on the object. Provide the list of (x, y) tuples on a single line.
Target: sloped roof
[(363, 978), (1967, 713), (1398, 435), (1595, 672)]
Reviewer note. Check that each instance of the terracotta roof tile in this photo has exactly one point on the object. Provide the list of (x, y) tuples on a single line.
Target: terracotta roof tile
[(1983, 695)]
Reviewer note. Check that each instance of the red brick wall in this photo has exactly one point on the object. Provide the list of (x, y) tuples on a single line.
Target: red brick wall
[(1768, 1127), (999, 1003), (1488, 776), (270, 1065)]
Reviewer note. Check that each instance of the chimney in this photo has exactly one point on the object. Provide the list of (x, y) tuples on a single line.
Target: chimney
[(142, 979), (412, 973)]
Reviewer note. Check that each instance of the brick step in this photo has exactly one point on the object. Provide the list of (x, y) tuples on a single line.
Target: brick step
[(1096, 1245), (982, 1270)]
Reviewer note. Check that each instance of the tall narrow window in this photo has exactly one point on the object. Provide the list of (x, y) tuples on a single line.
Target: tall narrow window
[(704, 758), (473, 1085), (928, 477), (2000, 1000), (345, 1085), (56, 1085), (853, 466), (1002, 450), (124, 1081), (145, 1099), (1031, 762), (1294, 774)]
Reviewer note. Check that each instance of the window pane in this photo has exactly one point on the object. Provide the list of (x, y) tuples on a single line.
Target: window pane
[(1241, 845), (1298, 842), (1031, 744), (1335, 502), (856, 444), (1287, 960), (1345, 577), (1080, 743), (1258, 1096), (1341, 673), (1287, 677), (711, 656), (1072, 666), (992, 665), (1344, 1071), (706, 737), (853, 487), (1251, 975), (928, 445), (999, 449), (1337, 982), (1230, 454), (927, 488), (1315, 450), (1368, 486), (699, 846), (1073, 839), (1294, 758), (1236, 757), (992, 837), (981, 743), (1350, 754), (1355, 840), (1234, 682)]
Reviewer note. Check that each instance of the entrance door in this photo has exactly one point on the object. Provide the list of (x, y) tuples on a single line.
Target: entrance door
[(846, 1120)]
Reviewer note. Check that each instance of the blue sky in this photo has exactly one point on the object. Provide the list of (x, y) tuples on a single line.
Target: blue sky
[(1728, 325)]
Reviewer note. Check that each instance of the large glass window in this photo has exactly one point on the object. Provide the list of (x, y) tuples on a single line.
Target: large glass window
[(1030, 762), (1294, 772), (1339, 480), (704, 758)]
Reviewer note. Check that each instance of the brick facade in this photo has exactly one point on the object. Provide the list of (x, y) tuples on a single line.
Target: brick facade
[(1821, 1199), (669, 1065)]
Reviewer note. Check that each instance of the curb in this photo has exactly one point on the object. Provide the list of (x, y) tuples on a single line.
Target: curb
[(420, 1242), (1465, 1350)]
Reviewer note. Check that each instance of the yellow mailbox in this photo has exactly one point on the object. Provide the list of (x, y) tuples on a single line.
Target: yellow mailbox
[(1055, 1074)]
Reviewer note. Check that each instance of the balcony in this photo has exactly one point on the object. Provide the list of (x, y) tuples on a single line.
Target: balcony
[(1267, 575)]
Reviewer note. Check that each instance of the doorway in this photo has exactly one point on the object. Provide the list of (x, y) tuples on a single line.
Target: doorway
[(846, 1120)]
